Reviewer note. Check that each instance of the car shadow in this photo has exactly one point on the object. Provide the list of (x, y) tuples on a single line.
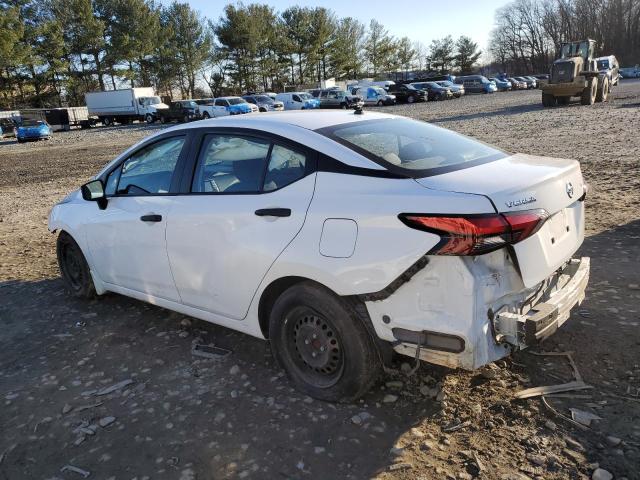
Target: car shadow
[(220, 417), (515, 110)]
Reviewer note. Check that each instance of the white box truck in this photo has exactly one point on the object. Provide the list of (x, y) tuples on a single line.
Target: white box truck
[(124, 106)]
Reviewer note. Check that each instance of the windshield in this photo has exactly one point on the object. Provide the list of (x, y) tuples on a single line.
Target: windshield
[(446, 83), (603, 64), (236, 100), (153, 100), (263, 99), (32, 123), (411, 147)]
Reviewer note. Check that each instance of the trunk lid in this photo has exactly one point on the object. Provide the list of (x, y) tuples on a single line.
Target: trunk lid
[(526, 182)]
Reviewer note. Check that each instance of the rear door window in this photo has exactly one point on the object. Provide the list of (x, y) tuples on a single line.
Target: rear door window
[(231, 164)]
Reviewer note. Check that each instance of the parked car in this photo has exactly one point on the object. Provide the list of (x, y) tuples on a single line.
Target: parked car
[(33, 130), (298, 101), (181, 110), (225, 106), (434, 90), (407, 93), (503, 85), (530, 82), (336, 98), (8, 127), (374, 96), (476, 84), (456, 90), (629, 72), (609, 66), (268, 227), (264, 103), (542, 76), (518, 84)]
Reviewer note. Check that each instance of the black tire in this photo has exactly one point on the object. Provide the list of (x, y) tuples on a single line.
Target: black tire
[(343, 106), (588, 96), (563, 100), (149, 118), (603, 91), (73, 267), (107, 121), (20, 140), (411, 99), (322, 344), (380, 103), (548, 100), (163, 119)]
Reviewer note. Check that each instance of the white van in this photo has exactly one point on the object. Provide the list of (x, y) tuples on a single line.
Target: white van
[(297, 101), (381, 83), (374, 95)]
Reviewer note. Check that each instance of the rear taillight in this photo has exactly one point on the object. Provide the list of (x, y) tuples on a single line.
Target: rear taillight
[(476, 234)]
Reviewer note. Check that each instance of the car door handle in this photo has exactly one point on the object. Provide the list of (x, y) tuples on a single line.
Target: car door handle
[(273, 212), (151, 218)]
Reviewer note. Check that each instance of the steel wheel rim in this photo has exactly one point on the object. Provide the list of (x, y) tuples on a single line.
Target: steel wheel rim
[(315, 347)]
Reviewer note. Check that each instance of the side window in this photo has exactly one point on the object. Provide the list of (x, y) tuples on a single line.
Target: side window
[(149, 171), (221, 103), (285, 167), (296, 98), (229, 163)]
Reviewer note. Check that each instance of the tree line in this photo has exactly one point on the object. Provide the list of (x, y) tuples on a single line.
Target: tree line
[(528, 33), (54, 51)]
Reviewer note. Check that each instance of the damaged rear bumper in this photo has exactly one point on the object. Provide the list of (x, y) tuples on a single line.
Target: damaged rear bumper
[(484, 317), (546, 316)]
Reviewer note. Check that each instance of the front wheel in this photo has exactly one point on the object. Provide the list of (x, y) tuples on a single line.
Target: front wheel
[(107, 121), (548, 100), (163, 119), (380, 103), (588, 96), (603, 91), (149, 118), (411, 99), (73, 267), (323, 344)]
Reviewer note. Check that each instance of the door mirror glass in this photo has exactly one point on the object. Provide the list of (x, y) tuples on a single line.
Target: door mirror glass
[(94, 192)]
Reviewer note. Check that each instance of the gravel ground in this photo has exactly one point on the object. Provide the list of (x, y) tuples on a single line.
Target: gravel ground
[(172, 415)]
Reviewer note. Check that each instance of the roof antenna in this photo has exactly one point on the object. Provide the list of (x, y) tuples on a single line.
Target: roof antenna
[(358, 110)]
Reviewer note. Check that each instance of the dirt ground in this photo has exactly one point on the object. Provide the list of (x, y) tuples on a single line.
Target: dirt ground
[(110, 387)]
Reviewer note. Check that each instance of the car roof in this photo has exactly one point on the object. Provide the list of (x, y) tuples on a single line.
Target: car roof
[(310, 120)]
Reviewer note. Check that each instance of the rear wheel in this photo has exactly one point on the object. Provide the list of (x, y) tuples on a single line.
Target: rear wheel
[(380, 103), (323, 344), (163, 119), (563, 100), (73, 267), (588, 96), (411, 99), (548, 100), (107, 121), (603, 91)]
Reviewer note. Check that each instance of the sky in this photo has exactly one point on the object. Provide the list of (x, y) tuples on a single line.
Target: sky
[(420, 20)]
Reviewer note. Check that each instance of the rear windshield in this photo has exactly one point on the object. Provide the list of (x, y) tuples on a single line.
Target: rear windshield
[(410, 147)]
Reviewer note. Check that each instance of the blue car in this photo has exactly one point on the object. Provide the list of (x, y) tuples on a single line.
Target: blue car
[(33, 130), (502, 84), (310, 101)]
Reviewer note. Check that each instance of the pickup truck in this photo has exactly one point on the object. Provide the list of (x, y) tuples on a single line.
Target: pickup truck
[(182, 111)]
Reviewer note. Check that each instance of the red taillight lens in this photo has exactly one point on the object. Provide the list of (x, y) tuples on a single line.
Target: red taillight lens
[(477, 234)]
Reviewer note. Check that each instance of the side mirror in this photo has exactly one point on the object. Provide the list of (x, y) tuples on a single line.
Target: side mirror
[(94, 192)]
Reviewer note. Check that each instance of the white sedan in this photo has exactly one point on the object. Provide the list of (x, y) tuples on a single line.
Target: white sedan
[(339, 236)]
